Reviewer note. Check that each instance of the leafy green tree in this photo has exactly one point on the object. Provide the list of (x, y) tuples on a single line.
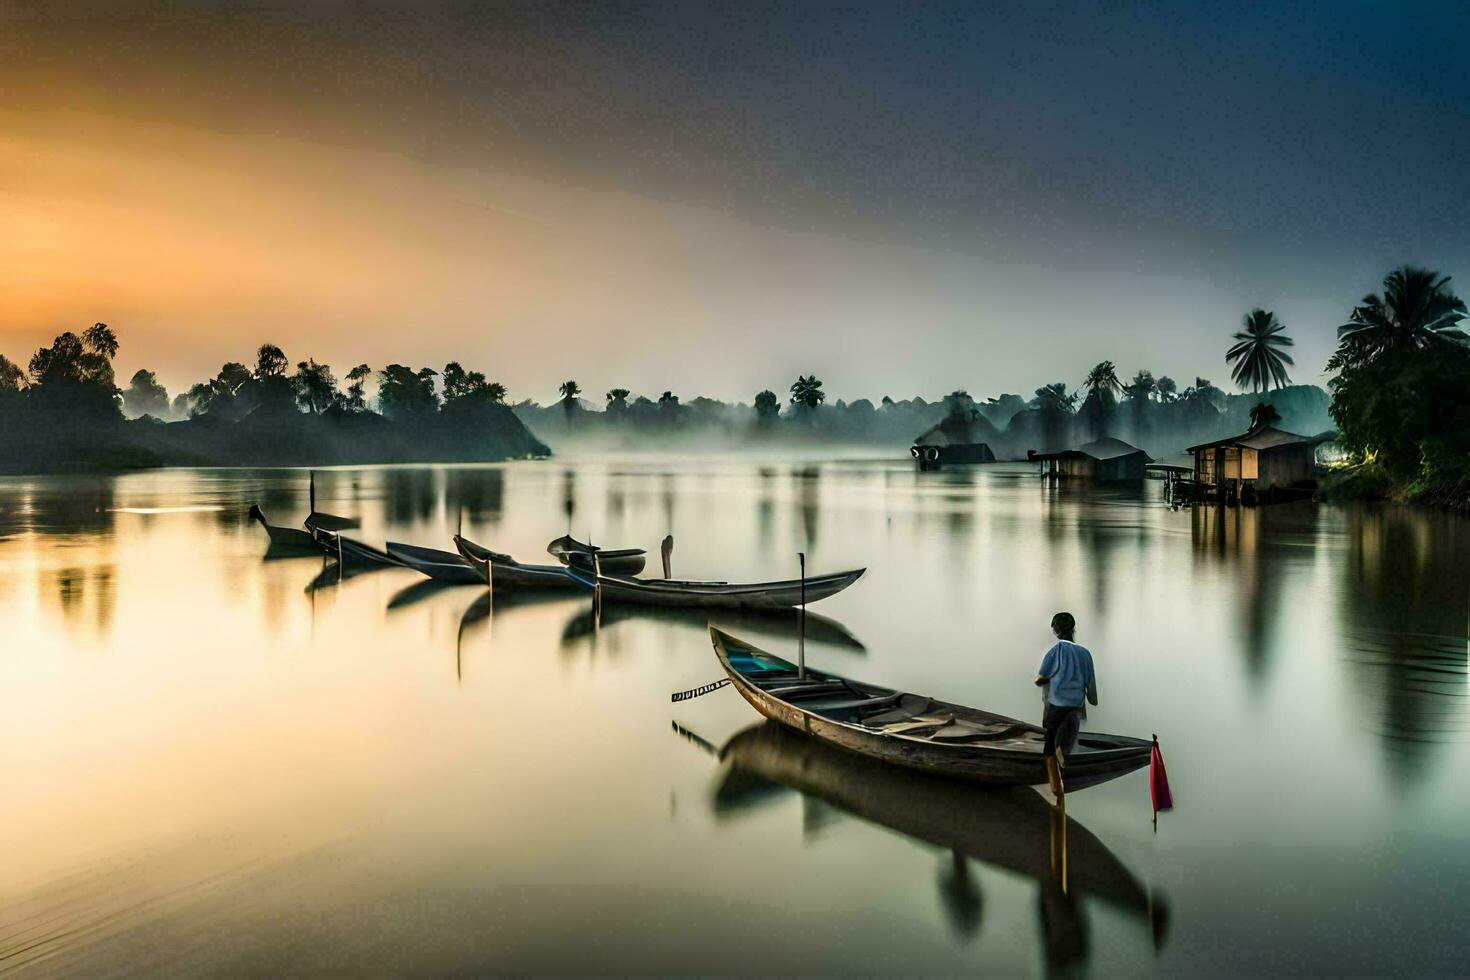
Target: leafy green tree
[(315, 386), (1054, 399), (402, 391), (12, 378), (1259, 353), (1143, 386), (1401, 388), (668, 400), (1408, 412), (1417, 311), (75, 373), (145, 396), (1167, 388), (270, 362), (767, 405), (807, 391), (495, 393), (617, 402), (355, 399)]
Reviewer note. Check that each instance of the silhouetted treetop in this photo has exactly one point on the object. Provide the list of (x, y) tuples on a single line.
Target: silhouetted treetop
[(1416, 311), (1259, 353)]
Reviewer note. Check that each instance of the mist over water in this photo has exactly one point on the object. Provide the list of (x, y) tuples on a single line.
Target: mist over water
[(221, 760)]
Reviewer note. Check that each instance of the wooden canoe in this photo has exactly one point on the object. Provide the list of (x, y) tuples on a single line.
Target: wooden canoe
[(1013, 828), (623, 561), (913, 730), (283, 537), (441, 566), (348, 550), (718, 595), (502, 572)]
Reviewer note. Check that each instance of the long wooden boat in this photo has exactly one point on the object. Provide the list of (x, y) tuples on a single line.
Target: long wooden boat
[(347, 550), (283, 537), (502, 572), (622, 561), (717, 595), (441, 566), (1012, 828), (914, 730)]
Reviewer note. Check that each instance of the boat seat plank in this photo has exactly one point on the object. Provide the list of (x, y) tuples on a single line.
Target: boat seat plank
[(964, 732), (916, 725), (909, 705), (809, 690)]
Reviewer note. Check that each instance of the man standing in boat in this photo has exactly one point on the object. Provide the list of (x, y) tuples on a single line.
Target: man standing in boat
[(1067, 677)]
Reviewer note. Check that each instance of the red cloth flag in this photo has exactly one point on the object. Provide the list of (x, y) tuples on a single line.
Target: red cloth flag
[(1158, 780)]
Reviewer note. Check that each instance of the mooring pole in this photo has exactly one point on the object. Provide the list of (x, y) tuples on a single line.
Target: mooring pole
[(311, 494), (801, 622), (596, 589)]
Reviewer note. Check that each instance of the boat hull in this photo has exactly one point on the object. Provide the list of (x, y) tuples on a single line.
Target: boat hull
[(719, 595), (980, 763), (441, 566), (502, 575)]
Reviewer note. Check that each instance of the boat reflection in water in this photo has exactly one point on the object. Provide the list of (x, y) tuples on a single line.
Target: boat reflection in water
[(780, 623), (1013, 830)]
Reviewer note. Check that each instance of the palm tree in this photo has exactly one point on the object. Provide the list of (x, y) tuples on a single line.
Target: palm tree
[(1260, 362), (807, 390), (356, 399), (1417, 310), (1102, 381), (495, 392), (569, 391), (1264, 414)]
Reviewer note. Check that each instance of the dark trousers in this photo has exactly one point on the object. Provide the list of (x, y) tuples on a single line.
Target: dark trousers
[(1061, 725)]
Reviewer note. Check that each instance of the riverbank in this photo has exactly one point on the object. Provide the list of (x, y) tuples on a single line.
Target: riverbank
[(1370, 482)]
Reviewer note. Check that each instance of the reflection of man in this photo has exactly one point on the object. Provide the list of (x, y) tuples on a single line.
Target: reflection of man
[(1066, 673)]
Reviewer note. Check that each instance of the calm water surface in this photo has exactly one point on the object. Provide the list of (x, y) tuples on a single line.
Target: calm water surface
[(213, 760)]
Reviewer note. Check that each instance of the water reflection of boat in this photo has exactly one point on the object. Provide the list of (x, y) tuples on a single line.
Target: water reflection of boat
[(623, 561), (1012, 829), (772, 622), (914, 730), (718, 595), (417, 592)]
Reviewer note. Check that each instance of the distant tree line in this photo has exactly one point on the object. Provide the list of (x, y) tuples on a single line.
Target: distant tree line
[(1400, 400), (66, 411)]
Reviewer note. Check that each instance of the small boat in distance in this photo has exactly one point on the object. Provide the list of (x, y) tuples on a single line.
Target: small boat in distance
[(283, 537), (752, 595), (913, 730), (502, 572), (623, 561), (441, 566)]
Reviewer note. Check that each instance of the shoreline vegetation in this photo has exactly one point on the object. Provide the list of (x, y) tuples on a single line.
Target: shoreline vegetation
[(1399, 402)]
